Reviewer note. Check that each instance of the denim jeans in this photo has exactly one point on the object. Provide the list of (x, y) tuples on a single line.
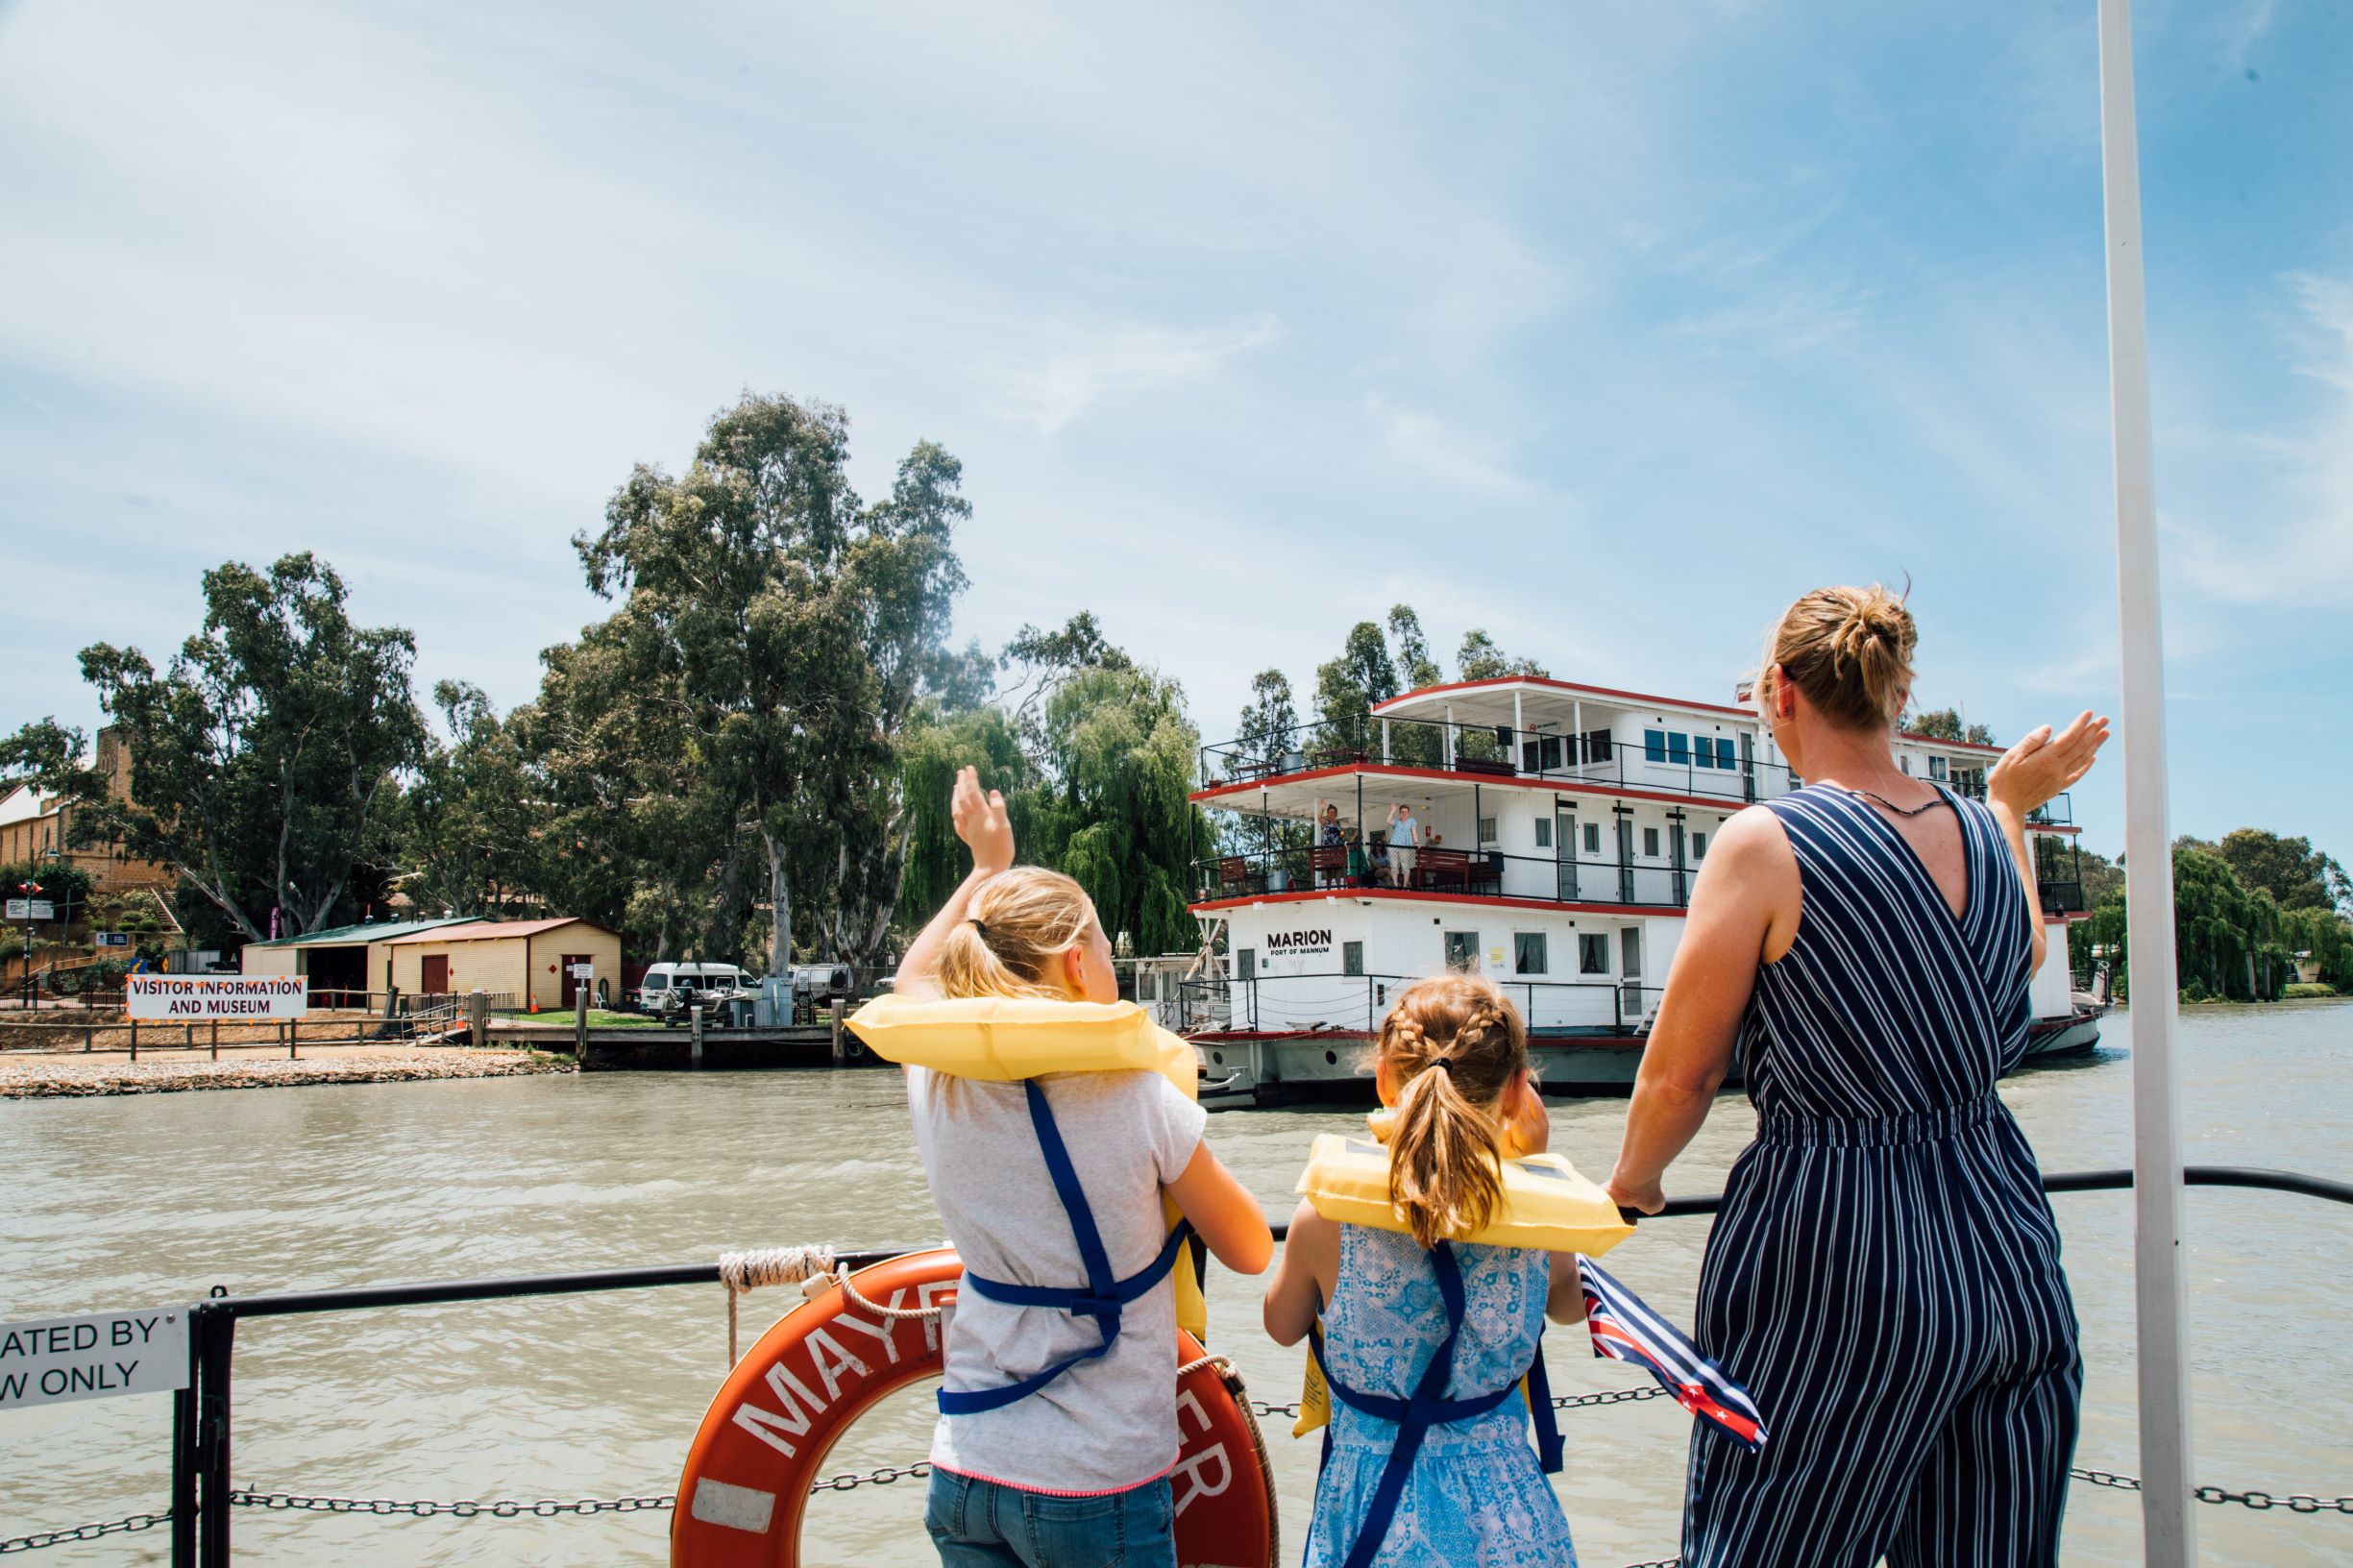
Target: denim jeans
[(986, 1524)]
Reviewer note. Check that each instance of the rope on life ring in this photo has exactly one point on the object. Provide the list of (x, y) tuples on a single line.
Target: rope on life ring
[(742, 1271), (861, 1337)]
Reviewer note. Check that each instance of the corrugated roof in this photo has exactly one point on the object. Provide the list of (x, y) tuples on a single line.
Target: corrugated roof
[(24, 805), (347, 935), (493, 930)]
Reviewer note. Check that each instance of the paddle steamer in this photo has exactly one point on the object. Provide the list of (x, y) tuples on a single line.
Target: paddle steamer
[(1561, 828)]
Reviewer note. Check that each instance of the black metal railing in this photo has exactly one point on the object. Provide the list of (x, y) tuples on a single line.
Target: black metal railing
[(203, 1496), (1670, 761), (1338, 1000), (1642, 881)]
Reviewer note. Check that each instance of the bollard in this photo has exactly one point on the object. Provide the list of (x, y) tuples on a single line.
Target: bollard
[(579, 1025), (216, 1040), (294, 1037), (838, 1059), (477, 1019), (693, 1026), (135, 1040)]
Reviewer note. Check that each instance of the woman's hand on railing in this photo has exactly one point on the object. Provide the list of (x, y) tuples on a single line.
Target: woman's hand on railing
[(1640, 1197), (2039, 767)]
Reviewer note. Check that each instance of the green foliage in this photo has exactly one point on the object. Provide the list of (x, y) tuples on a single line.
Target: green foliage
[(1945, 724), (2291, 871), (1415, 667), (2300, 990), (1268, 724), (2326, 937), (43, 749), (790, 630), (468, 827), (62, 882), (262, 758), (2231, 943), (1347, 687), (1480, 659)]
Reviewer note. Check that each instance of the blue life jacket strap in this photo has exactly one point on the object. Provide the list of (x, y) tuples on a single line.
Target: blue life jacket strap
[(1104, 1297)]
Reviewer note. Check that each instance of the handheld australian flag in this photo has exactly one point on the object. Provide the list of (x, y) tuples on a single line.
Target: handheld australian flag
[(1625, 1330)]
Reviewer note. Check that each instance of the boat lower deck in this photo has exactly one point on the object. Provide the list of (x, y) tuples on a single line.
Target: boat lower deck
[(1247, 1068)]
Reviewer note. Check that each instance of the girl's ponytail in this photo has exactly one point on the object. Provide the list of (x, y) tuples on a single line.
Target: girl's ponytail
[(1020, 922), (1453, 1046)]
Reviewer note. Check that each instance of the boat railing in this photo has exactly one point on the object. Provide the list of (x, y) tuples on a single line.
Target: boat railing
[(1647, 881), (204, 1497), (1343, 1001)]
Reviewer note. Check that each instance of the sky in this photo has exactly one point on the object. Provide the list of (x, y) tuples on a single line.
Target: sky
[(1608, 329)]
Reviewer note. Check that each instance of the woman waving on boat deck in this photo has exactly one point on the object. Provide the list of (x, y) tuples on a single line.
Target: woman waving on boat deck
[(1884, 1276)]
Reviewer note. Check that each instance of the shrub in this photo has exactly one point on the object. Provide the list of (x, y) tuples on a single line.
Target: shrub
[(2304, 991)]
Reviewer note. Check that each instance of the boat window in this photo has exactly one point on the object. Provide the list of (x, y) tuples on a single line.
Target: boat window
[(1723, 751), (1528, 952), (1352, 958), (1592, 953), (1679, 748), (1486, 830), (1593, 838), (1540, 755), (1629, 951), (1703, 751), (1698, 846), (1904, 763), (1245, 963), (1597, 745), (1544, 834), (1650, 841), (1936, 767), (1462, 951), (1653, 745)]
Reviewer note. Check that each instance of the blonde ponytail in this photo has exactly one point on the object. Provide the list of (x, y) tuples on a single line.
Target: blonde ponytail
[(1020, 922), (1453, 1046)]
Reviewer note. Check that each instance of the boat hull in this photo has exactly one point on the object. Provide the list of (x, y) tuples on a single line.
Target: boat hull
[(1253, 1068)]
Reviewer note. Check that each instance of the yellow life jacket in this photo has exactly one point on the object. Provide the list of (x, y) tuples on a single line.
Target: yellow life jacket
[(1546, 1205), (1007, 1039)]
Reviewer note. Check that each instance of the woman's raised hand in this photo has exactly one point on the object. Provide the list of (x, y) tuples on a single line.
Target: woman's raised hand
[(981, 822), (2043, 764)]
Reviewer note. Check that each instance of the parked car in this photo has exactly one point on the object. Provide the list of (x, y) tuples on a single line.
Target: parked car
[(671, 989)]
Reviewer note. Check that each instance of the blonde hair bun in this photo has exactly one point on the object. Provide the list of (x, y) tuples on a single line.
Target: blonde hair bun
[(1850, 651)]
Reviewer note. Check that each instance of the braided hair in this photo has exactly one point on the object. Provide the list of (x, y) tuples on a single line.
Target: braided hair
[(1453, 1047)]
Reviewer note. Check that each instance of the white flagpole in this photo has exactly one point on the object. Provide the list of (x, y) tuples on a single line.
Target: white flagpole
[(2169, 1537)]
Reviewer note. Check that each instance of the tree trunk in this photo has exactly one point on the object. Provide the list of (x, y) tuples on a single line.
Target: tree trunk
[(779, 903)]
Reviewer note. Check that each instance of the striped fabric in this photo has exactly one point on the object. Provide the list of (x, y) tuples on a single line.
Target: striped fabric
[(1624, 1329), (1884, 1276)]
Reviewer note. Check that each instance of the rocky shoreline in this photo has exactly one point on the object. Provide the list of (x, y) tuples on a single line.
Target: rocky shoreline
[(55, 1077)]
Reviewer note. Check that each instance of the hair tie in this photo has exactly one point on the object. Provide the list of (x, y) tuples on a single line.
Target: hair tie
[(1445, 1065), (978, 927)]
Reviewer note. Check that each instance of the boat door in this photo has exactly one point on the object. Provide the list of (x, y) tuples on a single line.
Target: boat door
[(1564, 848), (1748, 767), (1630, 973)]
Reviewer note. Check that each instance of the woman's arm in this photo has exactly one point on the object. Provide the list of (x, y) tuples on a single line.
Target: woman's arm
[(1310, 1262), (1744, 912), (982, 825), (2028, 774), (1223, 1213)]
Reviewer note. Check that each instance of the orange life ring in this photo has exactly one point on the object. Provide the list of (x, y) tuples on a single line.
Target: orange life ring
[(762, 1445)]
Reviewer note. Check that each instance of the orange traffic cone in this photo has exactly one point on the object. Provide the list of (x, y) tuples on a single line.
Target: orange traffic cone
[(534, 1007)]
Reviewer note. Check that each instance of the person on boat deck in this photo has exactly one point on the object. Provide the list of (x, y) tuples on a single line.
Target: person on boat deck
[(1329, 836), (1405, 834), (1884, 1275), (1452, 1060), (1075, 1475), (1377, 858)]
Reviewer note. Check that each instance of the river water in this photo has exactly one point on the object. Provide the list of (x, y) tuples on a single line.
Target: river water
[(148, 1200)]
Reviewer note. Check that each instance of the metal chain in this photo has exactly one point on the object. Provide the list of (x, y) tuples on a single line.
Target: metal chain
[(2293, 1502), (546, 1507), (82, 1533)]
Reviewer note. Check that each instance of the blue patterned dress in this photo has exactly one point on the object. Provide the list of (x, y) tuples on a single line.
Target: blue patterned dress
[(1476, 1496)]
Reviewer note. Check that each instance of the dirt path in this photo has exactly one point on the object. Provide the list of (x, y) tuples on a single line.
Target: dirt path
[(45, 1075)]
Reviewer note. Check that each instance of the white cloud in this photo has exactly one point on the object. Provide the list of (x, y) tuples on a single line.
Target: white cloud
[(2301, 555), (1127, 360)]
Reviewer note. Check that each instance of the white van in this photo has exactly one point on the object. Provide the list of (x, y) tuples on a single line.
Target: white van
[(677, 986)]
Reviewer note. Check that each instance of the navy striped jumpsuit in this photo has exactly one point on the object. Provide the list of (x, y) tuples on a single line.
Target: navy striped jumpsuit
[(1884, 1276)]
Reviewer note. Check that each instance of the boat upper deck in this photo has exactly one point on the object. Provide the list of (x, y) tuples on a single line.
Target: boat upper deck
[(1535, 732)]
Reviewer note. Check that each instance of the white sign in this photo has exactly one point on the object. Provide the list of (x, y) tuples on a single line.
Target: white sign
[(59, 1358), (180, 997), (32, 909), (111, 939), (583, 971)]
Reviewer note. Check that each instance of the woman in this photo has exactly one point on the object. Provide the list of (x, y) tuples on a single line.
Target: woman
[(1884, 1276)]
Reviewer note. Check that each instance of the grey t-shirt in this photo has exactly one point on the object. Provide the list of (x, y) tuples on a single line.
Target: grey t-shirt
[(1108, 1424)]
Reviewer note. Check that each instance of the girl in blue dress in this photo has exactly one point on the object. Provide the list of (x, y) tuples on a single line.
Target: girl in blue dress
[(1453, 1062)]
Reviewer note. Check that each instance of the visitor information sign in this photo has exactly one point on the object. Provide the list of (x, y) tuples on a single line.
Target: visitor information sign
[(180, 998), (32, 909), (52, 1359)]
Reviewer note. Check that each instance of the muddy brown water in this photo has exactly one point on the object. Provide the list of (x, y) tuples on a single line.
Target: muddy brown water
[(133, 1202)]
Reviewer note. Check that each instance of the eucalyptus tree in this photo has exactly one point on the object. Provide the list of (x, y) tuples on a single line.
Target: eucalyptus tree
[(264, 755), (801, 627), (471, 819)]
